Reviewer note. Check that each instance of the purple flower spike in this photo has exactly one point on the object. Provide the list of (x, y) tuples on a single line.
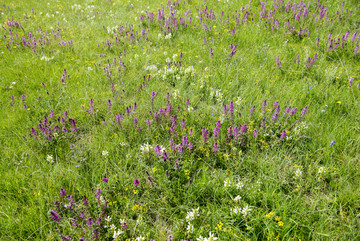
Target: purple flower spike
[(85, 201), (283, 135), (215, 147), (56, 217), (62, 192), (136, 182), (351, 80)]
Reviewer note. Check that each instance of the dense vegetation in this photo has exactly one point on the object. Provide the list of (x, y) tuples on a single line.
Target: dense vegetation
[(200, 120)]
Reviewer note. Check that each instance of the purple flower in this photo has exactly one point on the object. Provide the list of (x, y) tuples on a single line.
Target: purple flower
[(304, 111), (332, 143), (89, 222), (215, 147), (255, 133), (109, 104), (153, 94), (85, 201), (33, 132), (351, 80), (243, 129), (187, 103), (105, 179), (55, 216), (168, 96), (23, 97), (252, 110), (119, 118), (283, 135), (62, 192), (136, 182), (278, 63), (263, 107), (205, 134)]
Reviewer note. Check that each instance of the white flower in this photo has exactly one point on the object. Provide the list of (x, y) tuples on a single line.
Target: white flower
[(105, 153), (246, 210), (168, 60), (190, 109), (237, 198), (211, 237), (238, 101), (174, 57), (145, 148), (117, 234), (140, 239), (113, 228), (168, 36), (298, 173), (239, 185), (227, 182), (190, 228), (192, 214), (176, 94), (235, 210), (46, 58), (50, 158), (321, 170), (201, 238), (108, 219)]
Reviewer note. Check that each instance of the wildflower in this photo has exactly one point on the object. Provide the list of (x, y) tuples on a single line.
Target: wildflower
[(227, 182), (62, 192), (145, 148), (190, 228), (298, 173), (105, 179), (351, 80), (211, 237), (56, 217), (140, 238), (200, 238), (190, 216), (136, 182), (321, 170), (117, 234), (50, 158), (281, 224), (215, 147), (246, 210), (105, 153), (332, 143), (239, 185), (237, 199)]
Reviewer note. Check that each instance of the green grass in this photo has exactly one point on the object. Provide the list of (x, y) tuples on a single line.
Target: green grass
[(303, 187)]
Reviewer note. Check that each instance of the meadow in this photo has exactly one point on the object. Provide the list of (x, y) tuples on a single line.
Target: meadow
[(179, 120)]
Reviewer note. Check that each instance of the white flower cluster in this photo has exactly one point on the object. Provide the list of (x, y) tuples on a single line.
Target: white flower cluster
[(210, 238), (238, 210), (227, 182), (216, 94), (175, 71), (105, 153), (298, 172), (146, 148), (111, 29), (190, 217), (113, 229), (300, 127), (50, 158), (151, 68)]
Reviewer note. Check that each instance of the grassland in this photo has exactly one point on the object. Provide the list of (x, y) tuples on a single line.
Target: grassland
[(201, 120)]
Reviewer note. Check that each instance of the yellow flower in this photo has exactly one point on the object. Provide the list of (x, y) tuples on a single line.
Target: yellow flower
[(277, 218), (339, 102), (281, 224)]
